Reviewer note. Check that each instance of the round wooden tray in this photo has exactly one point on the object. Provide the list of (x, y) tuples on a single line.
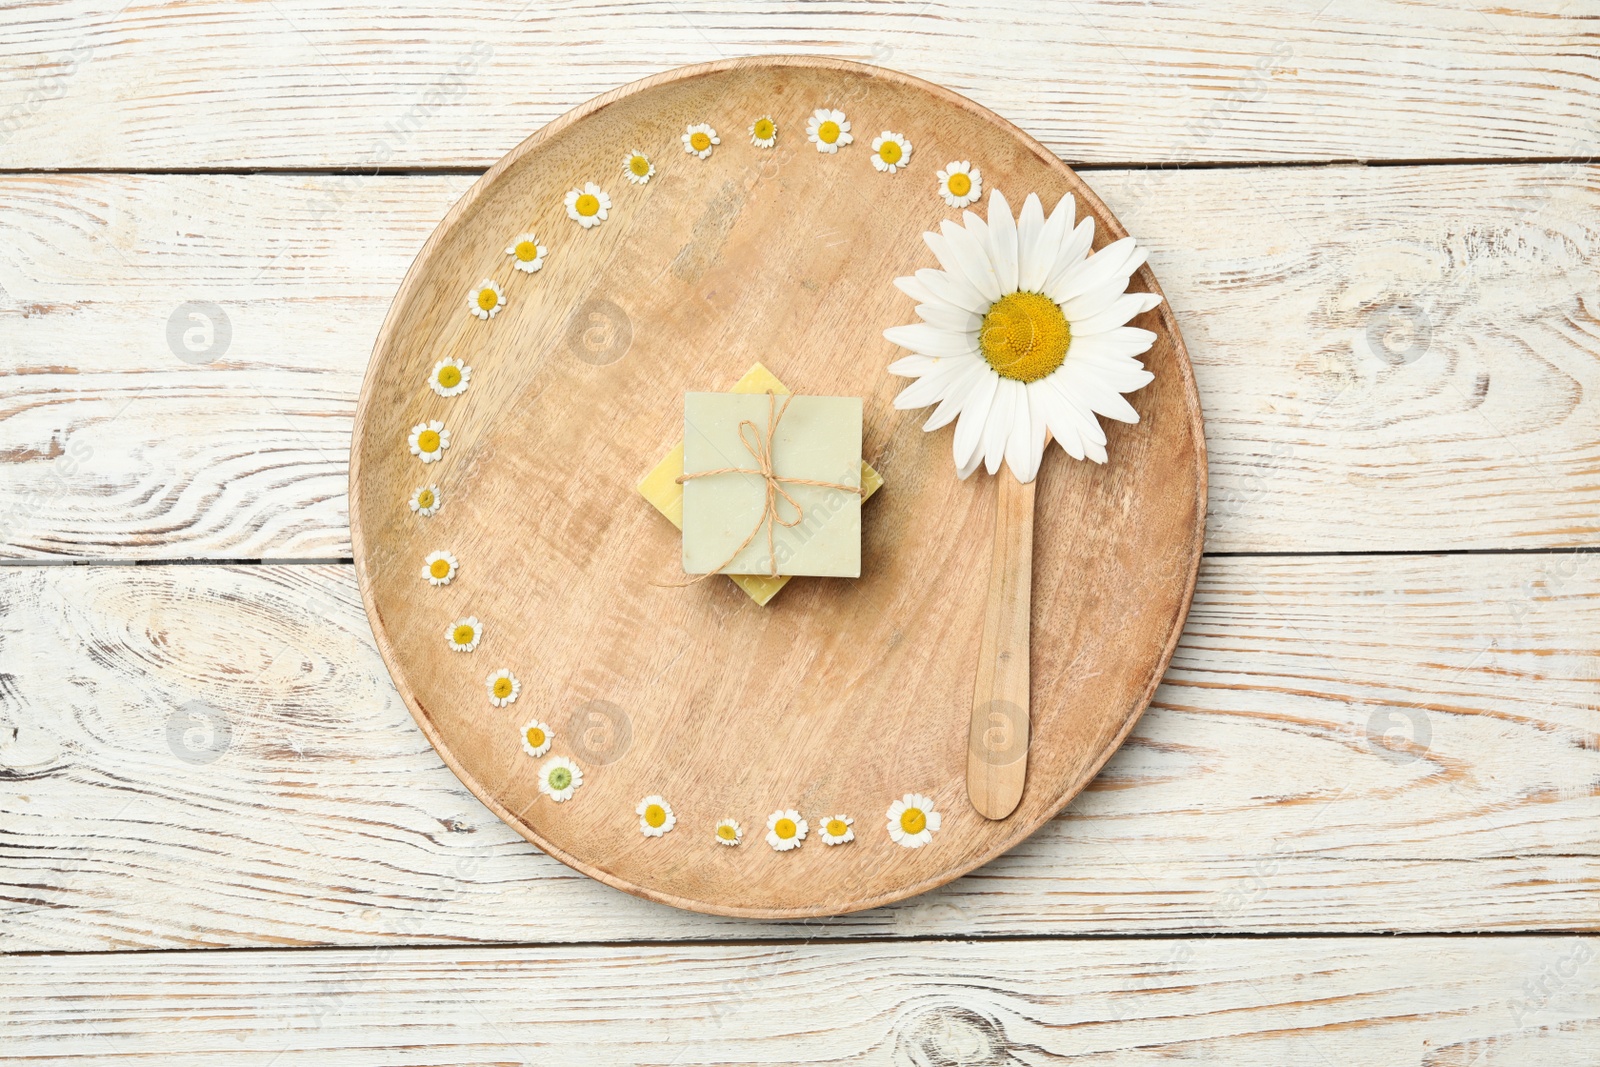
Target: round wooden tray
[(841, 695)]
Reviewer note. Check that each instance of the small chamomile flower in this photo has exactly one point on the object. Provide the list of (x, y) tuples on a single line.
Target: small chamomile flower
[(428, 441), (891, 152), (764, 132), (527, 253), (588, 206), (450, 377), (960, 183), (439, 568), (559, 778), (912, 820), (785, 829), (699, 139), (828, 130), (425, 501), (655, 816), (637, 166), (729, 833), (486, 299), (464, 634), (504, 689), (536, 738), (836, 830)]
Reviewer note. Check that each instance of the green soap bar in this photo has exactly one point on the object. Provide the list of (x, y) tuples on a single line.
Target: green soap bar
[(819, 438)]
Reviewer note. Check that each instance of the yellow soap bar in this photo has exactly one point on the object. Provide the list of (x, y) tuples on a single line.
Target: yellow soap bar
[(662, 489)]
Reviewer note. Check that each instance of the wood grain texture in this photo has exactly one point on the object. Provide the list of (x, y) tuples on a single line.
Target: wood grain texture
[(1485, 439), (1438, 1002), (299, 83), (849, 694), (997, 739), (1350, 744)]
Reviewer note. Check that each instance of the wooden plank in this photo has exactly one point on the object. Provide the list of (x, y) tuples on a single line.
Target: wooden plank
[(108, 84), (213, 756), (1246, 1003), (1389, 358)]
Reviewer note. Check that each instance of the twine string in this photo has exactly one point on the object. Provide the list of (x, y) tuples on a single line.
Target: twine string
[(760, 449)]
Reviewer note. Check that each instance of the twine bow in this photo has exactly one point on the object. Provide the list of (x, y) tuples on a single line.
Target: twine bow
[(761, 449)]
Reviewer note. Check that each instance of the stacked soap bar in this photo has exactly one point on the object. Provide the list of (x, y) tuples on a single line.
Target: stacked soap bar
[(818, 438)]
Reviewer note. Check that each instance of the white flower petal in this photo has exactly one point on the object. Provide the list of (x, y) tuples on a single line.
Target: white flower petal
[(997, 427), (931, 388), (1121, 310), (949, 317), (969, 430), (1095, 300), (1084, 381), (1003, 241), (913, 366), (916, 290), (1123, 341), (957, 392), (1022, 454), (1073, 249), (1101, 267), (928, 340), (953, 289), (1032, 266), (971, 259)]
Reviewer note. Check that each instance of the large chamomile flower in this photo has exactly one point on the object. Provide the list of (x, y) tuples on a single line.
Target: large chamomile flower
[(1023, 335)]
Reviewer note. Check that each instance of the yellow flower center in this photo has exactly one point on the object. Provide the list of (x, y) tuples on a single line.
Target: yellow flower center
[(527, 251), (913, 821), (1025, 336), (764, 129), (487, 299), (727, 833), (463, 635), (535, 735), (449, 376), (588, 204), (889, 152), (828, 132), (639, 165), (502, 689), (837, 827), (439, 568), (959, 184), (784, 828), (699, 140), (428, 441), (655, 815), (424, 498)]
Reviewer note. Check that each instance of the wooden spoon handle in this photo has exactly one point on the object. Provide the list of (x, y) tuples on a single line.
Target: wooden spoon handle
[(997, 746)]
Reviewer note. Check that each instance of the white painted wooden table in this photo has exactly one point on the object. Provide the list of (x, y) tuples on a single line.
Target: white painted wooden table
[(1360, 824)]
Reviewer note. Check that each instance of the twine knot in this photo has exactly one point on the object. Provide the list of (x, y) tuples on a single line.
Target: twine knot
[(760, 448)]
